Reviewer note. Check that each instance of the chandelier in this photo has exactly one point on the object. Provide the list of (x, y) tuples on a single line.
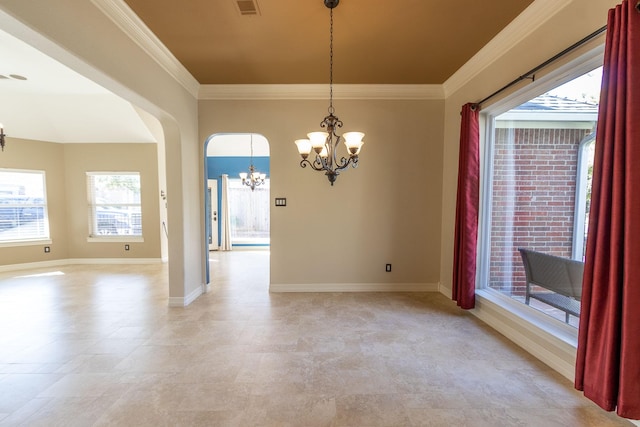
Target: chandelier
[(325, 144), (2, 135), (254, 178)]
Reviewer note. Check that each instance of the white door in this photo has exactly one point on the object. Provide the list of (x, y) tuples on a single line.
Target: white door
[(213, 214)]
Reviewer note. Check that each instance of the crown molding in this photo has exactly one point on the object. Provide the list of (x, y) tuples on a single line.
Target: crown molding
[(521, 27), (122, 15), (320, 91)]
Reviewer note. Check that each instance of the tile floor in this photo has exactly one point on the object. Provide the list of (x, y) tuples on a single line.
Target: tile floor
[(97, 345)]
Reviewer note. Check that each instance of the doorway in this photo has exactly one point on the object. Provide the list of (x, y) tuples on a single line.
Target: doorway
[(246, 215)]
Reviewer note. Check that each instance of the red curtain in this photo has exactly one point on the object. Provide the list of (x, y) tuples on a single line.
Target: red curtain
[(466, 227), (608, 359)]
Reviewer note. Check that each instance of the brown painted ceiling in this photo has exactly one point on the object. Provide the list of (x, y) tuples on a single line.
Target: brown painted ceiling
[(375, 41)]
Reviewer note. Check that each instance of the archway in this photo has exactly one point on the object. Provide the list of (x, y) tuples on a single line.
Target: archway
[(247, 209)]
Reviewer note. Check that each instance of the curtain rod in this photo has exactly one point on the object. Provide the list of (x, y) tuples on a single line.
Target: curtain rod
[(531, 73)]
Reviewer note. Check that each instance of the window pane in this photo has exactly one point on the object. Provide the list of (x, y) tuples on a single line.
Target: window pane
[(249, 211), (114, 204), (23, 206), (542, 157)]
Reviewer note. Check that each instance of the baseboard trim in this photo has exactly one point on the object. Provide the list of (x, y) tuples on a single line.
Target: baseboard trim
[(77, 261), (186, 300), (353, 287), (125, 261)]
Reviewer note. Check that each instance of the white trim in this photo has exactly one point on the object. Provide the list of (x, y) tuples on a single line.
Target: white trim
[(548, 115), (115, 239), (579, 217), (127, 261), (543, 125), (547, 340), (11, 243), (122, 15), (320, 91), (78, 261), (522, 26), (519, 29), (582, 64), (185, 301), (353, 287)]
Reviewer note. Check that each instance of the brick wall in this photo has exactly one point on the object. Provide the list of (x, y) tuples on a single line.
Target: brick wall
[(534, 188)]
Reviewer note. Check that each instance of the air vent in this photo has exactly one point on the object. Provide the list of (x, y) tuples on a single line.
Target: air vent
[(247, 7)]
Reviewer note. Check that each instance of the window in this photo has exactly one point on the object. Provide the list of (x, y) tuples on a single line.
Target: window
[(23, 206), (249, 212), (537, 183), (114, 204)]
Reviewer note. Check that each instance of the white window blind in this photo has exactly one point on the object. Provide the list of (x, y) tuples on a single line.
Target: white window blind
[(114, 206), (23, 206)]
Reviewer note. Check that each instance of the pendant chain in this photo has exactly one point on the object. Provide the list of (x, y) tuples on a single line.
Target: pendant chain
[(331, 109)]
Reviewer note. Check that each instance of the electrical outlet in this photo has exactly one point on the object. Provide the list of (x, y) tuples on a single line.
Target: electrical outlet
[(126, 247), (47, 249), (387, 268)]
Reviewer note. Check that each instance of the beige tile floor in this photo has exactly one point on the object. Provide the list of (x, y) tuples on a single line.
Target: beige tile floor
[(97, 345)]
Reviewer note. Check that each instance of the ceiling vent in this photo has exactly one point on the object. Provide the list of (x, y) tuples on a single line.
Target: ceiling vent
[(247, 7)]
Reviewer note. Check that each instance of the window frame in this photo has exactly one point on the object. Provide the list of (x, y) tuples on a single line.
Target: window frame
[(45, 206), (579, 221), (91, 209), (563, 74)]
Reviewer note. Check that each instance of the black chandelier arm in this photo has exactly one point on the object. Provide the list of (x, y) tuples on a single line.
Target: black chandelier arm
[(306, 162), (345, 162), (331, 122)]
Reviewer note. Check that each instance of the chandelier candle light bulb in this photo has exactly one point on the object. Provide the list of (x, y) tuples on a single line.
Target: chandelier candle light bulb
[(325, 144), (353, 141)]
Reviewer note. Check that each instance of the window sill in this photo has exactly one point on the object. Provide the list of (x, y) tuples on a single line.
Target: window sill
[(535, 318), (547, 339), (25, 243), (116, 239)]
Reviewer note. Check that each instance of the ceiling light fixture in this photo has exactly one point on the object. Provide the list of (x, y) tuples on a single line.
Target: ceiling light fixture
[(325, 144), (254, 178), (2, 135)]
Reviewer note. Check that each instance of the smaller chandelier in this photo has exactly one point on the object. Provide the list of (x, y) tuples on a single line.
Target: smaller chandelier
[(325, 144), (254, 178), (2, 135)]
